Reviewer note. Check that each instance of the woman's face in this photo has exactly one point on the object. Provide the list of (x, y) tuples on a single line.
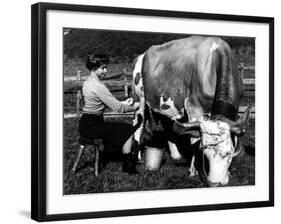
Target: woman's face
[(101, 71)]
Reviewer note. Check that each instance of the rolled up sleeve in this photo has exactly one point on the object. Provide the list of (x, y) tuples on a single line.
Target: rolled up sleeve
[(110, 101)]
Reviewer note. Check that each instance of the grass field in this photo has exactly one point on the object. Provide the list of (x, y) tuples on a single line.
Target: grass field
[(172, 174)]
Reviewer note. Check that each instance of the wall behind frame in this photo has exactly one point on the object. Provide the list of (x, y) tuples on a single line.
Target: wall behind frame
[(15, 110)]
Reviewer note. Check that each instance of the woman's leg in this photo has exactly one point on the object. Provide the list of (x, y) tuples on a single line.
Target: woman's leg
[(129, 163)]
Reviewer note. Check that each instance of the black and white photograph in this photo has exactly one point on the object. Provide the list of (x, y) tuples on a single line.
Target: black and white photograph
[(142, 112), (147, 111)]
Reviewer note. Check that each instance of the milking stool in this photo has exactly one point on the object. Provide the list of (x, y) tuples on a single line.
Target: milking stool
[(98, 146)]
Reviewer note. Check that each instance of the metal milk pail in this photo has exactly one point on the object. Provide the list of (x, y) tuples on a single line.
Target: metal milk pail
[(153, 158)]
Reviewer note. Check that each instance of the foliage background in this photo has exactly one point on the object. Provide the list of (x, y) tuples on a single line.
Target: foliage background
[(125, 45)]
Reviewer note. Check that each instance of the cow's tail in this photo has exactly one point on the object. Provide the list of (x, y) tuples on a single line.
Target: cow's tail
[(229, 87)]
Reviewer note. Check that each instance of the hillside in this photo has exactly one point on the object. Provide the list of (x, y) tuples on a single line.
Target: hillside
[(123, 46)]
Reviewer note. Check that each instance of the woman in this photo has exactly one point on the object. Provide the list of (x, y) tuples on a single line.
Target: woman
[(97, 97)]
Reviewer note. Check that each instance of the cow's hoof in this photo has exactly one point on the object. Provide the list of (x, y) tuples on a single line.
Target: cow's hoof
[(176, 157), (192, 172)]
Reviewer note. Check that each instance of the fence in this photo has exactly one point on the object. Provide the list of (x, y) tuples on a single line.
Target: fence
[(73, 86), (246, 80), (123, 86)]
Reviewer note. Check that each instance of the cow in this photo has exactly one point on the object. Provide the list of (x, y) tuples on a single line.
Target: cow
[(194, 84)]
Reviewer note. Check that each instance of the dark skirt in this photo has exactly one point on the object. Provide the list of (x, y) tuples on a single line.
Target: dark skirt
[(114, 134)]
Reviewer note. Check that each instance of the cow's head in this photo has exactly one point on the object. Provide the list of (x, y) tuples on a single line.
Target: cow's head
[(218, 145)]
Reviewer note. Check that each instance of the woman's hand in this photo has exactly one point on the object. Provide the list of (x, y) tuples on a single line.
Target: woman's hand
[(128, 101)]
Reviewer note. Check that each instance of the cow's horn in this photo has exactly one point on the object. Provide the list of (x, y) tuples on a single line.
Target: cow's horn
[(239, 147), (239, 127), (243, 119), (189, 125)]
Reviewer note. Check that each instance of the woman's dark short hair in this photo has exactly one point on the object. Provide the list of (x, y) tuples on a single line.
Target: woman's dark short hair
[(95, 61)]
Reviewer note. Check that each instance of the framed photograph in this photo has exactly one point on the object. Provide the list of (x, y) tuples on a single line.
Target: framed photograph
[(138, 111)]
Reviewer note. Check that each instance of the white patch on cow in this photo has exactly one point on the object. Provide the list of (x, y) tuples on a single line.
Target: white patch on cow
[(214, 46), (218, 148), (194, 112), (215, 132), (139, 93), (171, 112), (138, 87), (138, 69), (174, 151), (138, 65)]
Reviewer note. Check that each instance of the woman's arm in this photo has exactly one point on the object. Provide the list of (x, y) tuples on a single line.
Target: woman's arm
[(110, 101)]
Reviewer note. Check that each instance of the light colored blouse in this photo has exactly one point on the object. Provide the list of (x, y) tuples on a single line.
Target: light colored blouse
[(97, 97)]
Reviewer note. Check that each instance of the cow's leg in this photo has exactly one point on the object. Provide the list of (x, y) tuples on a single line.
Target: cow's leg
[(175, 154), (139, 132), (167, 125), (192, 170), (195, 113)]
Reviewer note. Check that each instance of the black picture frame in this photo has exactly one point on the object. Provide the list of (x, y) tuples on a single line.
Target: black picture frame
[(39, 114)]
